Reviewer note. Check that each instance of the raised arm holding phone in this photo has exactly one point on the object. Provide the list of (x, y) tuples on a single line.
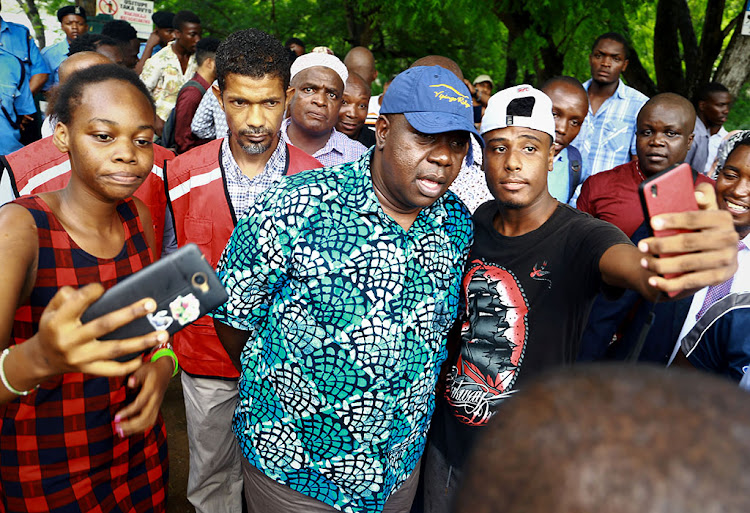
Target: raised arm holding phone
[(536, 266), (73, 419)]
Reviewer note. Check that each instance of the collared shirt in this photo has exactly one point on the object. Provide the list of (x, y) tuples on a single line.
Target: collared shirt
[(471, 183), (348, 315), (745, 383), (163, 76), (339, 149), (704, 147), (53, 56), (613, 196), (607, 138), (19, 56), (714, 142), (740, 284), (209, 121), (142, 48), (567, 176), (244, 190), (558, 181)]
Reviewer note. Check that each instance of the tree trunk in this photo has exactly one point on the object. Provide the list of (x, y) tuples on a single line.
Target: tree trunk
[(552, 60), (711, 42), (637, 77), (516, 21), (691, 52), (359, 22), (667, 61), (89, 5), (32, 12), (734, 69)]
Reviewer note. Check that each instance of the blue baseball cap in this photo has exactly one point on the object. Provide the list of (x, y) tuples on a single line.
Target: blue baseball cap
[(432, 99)]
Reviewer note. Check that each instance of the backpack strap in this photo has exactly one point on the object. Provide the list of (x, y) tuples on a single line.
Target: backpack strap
[(167, 138), (196, 84), (575, 169)]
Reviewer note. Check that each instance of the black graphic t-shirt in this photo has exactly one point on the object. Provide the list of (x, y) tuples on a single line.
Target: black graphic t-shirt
[(526, 299)]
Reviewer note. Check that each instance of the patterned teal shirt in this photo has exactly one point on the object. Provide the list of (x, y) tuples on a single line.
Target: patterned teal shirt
[(347, 314)]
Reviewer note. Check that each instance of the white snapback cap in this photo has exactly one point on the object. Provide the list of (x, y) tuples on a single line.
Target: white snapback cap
[(538, 115)]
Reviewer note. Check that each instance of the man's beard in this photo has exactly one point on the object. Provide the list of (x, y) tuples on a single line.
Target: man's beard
[(255, 148), (509, 205)]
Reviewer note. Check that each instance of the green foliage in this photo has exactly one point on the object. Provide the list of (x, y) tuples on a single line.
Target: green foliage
[(739, 116), (51, 6), (483, 36)]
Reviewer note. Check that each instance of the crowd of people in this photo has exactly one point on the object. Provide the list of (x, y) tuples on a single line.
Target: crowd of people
[(407, 274)]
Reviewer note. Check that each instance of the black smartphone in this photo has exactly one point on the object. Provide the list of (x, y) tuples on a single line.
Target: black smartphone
[(672, 190), (183, 284)]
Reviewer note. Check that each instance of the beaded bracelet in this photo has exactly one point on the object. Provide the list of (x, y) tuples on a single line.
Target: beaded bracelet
[(167, 352), (4, 378)]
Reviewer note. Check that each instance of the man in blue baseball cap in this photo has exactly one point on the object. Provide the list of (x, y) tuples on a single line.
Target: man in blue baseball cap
[(343, 284)]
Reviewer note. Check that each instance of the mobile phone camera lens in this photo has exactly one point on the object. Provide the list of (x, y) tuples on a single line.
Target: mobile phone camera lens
[(200, 279)]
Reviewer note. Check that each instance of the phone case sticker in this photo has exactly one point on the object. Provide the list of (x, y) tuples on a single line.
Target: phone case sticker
[(160, 320), (185, 309)]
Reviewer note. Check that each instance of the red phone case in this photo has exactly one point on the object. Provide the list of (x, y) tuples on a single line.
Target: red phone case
[(667, 192)]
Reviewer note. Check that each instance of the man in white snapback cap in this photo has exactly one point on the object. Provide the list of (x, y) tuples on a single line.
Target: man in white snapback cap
[(314, 96), (533, 272)]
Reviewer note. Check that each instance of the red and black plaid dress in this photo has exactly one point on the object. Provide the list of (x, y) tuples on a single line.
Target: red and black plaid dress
[(59, 451)]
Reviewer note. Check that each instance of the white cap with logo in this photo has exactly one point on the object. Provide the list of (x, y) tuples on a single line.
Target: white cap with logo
[(535, 113)]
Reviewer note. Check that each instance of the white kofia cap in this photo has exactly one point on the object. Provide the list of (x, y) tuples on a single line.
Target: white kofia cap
[(310, 60), (534, 113)]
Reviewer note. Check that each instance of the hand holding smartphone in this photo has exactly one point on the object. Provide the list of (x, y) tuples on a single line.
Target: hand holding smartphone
[(183, 284), (670, 191)]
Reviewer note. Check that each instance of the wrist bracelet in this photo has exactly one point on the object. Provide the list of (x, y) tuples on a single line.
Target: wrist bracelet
[(4, 378), (167, 352)]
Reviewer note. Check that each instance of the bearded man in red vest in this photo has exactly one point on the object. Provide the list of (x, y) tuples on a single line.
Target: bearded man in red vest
[(209, 188)]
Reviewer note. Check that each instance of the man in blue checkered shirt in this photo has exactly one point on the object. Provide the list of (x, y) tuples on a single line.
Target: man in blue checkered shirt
[(607, 137)]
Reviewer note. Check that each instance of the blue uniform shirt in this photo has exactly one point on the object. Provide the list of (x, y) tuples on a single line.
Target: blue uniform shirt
[(53, 57), (19, 59), (142, 47)]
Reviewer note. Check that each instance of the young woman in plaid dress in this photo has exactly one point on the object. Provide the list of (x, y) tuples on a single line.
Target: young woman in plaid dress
[(79, 431)]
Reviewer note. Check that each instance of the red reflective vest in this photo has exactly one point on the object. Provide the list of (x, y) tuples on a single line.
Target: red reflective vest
[(41, 167), (203, 215)]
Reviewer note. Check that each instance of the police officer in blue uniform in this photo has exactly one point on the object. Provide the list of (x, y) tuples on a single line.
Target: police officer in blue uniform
[(22, 73), (73, 22)]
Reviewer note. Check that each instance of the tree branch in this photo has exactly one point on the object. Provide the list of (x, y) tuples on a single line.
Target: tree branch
[(711, 40), (730, 26), (669, 75)]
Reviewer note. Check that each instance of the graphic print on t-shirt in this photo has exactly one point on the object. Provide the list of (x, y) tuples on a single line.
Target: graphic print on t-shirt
[(539, 272), (493, 341)]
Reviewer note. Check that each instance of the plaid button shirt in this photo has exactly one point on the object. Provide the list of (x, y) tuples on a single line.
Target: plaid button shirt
[(242, 189), (607, 138), (338, 150)]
